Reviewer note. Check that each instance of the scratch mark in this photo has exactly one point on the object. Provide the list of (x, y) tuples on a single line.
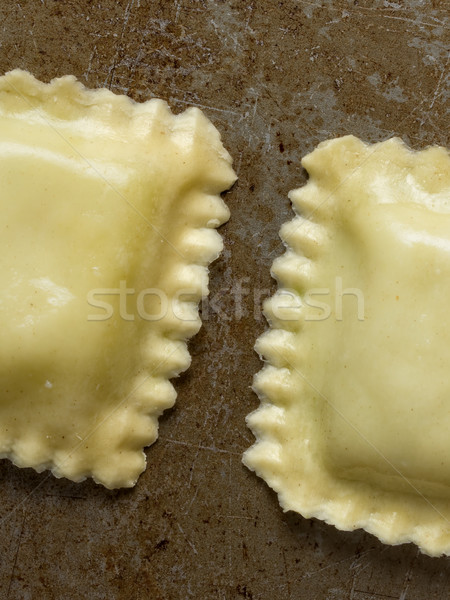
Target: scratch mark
[(200, 447), (126, 18), (19, 6), (408, 577), (16, 555), (352, 591), (236, 43), (32, 37), (267, 139), (194, 496), (194, 549), (247, 23), (91, 58), (380, 13), (254, 109), (192, 468), (70, 496), (378, 594), (356, 564), (288, 583), (238, 166), (405, 19), (222, 110), (436, 91), (334, 564), (177, 12)]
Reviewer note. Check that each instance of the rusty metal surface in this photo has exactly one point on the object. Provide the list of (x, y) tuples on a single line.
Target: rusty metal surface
[(275, 78)]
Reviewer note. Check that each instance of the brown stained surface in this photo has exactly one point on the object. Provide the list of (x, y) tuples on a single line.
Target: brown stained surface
[(275, 78)]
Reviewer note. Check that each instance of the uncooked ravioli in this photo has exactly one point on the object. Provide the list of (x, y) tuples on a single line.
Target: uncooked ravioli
[(353, 426), (108, 210)]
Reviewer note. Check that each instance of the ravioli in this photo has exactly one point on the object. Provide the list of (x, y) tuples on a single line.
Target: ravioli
[(108, 217), (353, 426)]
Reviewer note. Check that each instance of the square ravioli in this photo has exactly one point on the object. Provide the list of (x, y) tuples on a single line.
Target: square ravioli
[(354, 421), (108, 209)]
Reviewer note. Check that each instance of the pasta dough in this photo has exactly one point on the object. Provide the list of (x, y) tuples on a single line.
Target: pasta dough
[(354, 421), (108, 214)]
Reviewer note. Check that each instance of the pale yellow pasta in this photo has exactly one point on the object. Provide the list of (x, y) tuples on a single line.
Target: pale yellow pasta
[(354, 421), (108, 209)]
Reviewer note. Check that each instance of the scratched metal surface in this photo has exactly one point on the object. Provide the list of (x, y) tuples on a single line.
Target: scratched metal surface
[(276, 78)]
